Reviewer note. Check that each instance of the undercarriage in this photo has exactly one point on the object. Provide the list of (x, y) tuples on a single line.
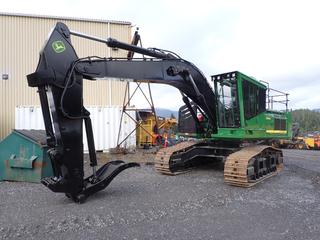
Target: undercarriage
[(244, 166)]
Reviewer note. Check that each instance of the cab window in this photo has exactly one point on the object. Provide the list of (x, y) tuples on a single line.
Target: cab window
[(254, 99)]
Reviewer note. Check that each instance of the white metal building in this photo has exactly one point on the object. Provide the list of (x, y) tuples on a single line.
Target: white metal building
[(21, 38)]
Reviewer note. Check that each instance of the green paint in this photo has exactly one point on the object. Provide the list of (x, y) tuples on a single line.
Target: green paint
[(22, 159), (259, 127), (58, 46)]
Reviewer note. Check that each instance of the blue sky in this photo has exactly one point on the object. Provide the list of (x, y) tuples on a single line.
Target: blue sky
[(274, 41)]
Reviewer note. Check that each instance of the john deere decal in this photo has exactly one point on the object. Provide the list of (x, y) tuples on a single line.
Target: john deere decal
[(58, 46)]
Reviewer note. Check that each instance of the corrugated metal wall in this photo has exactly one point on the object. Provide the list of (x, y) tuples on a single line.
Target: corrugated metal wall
[(21, 38), (105, 124)]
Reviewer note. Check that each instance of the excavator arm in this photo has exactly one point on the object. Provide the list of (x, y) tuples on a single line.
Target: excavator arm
[(59, 77), (175, 72)]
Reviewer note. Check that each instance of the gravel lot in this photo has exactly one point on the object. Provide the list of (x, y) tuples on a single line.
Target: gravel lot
[(140, 204)]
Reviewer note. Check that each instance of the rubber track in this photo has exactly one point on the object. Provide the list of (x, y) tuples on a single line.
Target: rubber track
[(235, 168), (162, 164)]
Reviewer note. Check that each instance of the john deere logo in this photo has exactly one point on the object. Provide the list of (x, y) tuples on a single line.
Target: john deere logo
[(58, 46)]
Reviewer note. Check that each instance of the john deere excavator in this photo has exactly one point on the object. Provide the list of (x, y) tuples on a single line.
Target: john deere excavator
[(233, 124)]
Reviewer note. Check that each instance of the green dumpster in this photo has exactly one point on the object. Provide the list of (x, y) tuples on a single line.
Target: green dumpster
[(23, 156)]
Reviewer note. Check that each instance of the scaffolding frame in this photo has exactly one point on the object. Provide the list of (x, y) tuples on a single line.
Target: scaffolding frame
[(126, 108)]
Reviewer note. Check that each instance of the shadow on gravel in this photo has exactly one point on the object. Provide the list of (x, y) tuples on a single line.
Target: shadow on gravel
[(209, 166)]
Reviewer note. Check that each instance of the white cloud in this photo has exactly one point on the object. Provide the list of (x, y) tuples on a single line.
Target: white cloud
[(276, 41)]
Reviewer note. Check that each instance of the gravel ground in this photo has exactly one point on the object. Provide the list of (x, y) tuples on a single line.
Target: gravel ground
[(140, 204)]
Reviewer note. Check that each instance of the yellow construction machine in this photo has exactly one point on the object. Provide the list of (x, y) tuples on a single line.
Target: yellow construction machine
[(153, 133), (309, 142)]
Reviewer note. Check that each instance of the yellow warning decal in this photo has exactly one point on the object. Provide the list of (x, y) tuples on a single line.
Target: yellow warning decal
[(277, 131)]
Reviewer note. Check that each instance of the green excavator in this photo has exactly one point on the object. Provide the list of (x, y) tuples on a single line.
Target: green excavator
[(229, 124)]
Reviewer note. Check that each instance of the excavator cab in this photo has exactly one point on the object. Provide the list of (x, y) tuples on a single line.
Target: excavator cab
[(242, 110), (239, 98)]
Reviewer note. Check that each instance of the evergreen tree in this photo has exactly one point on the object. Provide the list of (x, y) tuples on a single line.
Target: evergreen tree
[(308, 120)]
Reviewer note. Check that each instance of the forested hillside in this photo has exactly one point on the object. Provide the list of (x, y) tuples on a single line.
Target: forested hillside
[(309, 120)]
